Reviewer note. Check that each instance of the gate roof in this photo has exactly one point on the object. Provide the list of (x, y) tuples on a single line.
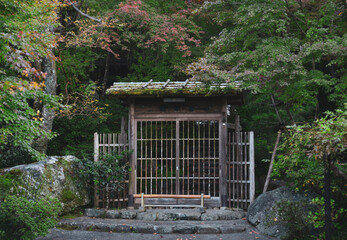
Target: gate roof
[(171, 88)]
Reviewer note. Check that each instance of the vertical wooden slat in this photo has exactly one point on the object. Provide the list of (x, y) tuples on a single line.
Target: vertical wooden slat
[(251, 167), (141, 157), (237, 135), (204, 156), (151, 156), (223, 154), (161, 158), (172, 155), (209, 158), (234, 170), (199, 174), (188, 157), (229, 168), (193, 135), (156, 156), (177, 157), (133, 155), (182, 139), (241, 170), (214, 159), (96, 158), (146, 158)]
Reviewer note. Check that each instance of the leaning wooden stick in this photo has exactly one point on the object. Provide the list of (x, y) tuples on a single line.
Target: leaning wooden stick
[(271, 162)]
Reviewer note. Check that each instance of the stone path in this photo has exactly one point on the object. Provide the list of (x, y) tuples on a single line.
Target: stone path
[(168, 214), (143, 226), (176, 224)]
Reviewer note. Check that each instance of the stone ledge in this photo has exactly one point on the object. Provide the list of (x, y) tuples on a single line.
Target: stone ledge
[(160, 227), (167, 214)]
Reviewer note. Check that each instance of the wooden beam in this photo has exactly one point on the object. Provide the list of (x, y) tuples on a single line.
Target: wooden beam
[(223, 154), (147, 83), (176, 196), (251, 168), (185, 83), (166, 83), (96, 158), (183, 117), (132, 146)]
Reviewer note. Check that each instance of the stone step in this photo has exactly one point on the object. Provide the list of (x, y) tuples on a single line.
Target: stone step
[(167, 214), (153, 227)]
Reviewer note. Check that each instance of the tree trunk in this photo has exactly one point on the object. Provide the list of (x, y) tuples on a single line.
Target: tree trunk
[(47, 114), (105, 74), (327, 204)]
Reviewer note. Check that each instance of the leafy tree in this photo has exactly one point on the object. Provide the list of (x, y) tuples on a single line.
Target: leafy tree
[(310, 153), (293, 50), (24, 42)]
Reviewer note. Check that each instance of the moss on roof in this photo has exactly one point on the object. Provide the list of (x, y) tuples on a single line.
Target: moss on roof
[(172, 89)]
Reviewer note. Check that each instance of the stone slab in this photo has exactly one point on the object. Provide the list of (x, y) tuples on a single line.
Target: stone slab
[(160, 227), (168, 214)]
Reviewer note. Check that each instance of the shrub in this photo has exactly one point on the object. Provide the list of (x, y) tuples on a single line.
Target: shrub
[(292, 215), (107, 174), (11, 155), (25, 219)]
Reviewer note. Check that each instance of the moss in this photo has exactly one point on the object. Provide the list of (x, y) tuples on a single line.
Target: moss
[(62, 162), (66, 227), (69, 196), (72, 215), (16, 172), (179, 91)]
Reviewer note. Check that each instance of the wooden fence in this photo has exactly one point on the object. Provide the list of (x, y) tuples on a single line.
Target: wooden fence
[(239, 164), (240, 169), (108, 144)]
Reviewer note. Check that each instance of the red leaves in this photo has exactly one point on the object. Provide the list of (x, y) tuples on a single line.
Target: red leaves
[(132, 24)]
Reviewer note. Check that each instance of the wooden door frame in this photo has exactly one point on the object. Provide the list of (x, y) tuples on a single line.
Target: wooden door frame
[(221, 117)]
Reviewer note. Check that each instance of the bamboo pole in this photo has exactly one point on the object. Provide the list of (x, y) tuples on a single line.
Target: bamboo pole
[(271, 162)]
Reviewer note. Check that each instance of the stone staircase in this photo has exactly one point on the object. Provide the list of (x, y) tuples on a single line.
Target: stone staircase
[(160, 221)]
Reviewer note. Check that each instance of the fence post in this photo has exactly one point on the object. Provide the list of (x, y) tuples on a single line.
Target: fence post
[(132, 146), (123, 134), (251, 167), (96, 158)]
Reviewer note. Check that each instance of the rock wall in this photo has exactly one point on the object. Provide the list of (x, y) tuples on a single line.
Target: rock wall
[(53, 176)]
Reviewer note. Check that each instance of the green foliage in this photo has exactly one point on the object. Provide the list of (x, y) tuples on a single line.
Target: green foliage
[(316, 218), (305, 151), (21, 218), (20, 123), (292, 214), (76, 132), (106, 174), (11, 155), (293, 51), (24, 41)]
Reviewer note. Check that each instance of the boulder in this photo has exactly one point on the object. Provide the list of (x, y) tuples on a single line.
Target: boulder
[(52, 176), (264, 211)]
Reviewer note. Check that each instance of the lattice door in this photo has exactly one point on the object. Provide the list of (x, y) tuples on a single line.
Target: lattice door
[(177, 157)]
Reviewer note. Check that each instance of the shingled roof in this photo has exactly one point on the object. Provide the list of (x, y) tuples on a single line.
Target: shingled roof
[(171, 88)]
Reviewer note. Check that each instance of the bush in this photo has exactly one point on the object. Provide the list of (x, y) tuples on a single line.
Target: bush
[(25, 219), (11, 155), (108, 174), (292, 215)]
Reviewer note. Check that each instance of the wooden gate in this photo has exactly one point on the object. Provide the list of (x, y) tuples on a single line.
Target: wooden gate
[(182, 157), (240, 169), (177, 157), (109, 144)]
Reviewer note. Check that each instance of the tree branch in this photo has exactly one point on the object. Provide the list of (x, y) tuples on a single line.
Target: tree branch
[(82, 13), (337, 172)]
